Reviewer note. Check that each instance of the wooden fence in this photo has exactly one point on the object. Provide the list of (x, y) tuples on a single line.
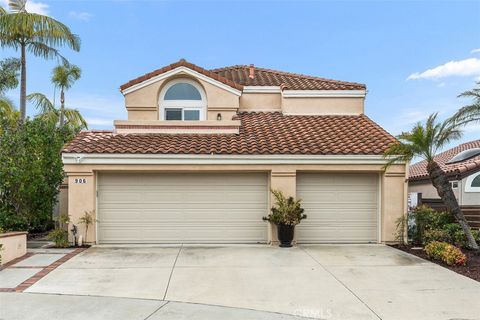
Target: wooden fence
[(472, 213)]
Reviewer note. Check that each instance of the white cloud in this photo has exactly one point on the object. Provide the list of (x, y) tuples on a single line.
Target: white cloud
[(99, 122), (464, 68), (32, 7), (475, 51), (82, 16)]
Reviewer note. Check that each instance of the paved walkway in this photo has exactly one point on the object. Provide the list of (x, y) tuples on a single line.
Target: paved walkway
[(244, 282)]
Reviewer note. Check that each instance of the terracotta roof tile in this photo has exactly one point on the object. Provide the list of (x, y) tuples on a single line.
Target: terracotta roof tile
[(180, 63), (418, 171), (260, 133), (238, 76), (289, 81)]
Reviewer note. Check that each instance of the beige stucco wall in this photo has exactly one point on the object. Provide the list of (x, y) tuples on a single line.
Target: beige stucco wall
[(261, 102), (14, 245), (142, 104), (82, 197), (323, 106)]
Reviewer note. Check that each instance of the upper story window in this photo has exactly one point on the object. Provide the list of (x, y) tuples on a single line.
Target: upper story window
[(472, 183), (183, 99)]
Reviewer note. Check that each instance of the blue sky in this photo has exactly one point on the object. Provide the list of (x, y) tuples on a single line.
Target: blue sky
[(414, 56)]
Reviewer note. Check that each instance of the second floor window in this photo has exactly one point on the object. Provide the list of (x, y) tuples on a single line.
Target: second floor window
[(183, 100)]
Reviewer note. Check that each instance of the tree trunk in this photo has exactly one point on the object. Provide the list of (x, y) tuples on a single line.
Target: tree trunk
[(62, 108), (23, 85), (444, 190)]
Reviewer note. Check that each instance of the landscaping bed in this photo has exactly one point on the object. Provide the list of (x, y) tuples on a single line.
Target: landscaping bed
[(471, 269)]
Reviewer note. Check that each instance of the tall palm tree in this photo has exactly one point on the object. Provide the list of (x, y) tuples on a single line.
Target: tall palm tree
[(73, 118), (425, 140), (35, 33), (63, 77)]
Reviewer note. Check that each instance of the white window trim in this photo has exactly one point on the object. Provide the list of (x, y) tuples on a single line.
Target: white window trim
[(200, 105), (468, 183)]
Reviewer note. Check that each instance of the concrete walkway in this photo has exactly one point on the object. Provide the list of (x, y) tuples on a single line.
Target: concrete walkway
[(247, 282)]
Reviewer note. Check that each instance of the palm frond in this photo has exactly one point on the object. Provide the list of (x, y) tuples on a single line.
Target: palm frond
[(17, 5), (64, 76), (75, 119), (41, 102), (40, 49), (7, 108)]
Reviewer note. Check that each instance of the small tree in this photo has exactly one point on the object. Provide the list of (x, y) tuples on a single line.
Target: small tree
[(87, 219), (424, 140)]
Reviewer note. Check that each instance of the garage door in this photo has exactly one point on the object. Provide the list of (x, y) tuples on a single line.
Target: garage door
[(182, 208), (340, 207)]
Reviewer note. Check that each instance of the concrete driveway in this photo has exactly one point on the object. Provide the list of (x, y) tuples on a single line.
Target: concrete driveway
[(251, 282)]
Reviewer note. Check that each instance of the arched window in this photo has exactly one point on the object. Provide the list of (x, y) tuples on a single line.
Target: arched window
[(472, 183), (182, 99)]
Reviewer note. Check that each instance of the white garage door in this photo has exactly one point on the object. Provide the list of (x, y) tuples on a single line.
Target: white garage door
[(340, 207), (182, 208)]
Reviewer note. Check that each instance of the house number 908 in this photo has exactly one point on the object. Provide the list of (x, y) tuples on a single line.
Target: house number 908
[(80, 180)]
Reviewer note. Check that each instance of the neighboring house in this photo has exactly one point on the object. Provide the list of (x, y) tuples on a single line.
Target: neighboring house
[(201, 149), (462, 166)]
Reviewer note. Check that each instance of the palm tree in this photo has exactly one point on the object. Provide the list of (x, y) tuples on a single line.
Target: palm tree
[(63, 77), (425, 140), (48, 112), (35, 33)]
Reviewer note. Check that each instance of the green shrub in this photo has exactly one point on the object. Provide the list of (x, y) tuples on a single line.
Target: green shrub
[(445, 252), (460, 239), (425, 218), (30, 173), (60, 237), (436, 235), (286, 211)]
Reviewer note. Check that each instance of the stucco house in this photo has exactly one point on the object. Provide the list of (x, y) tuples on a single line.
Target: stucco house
[(462, 166), (200, 150)]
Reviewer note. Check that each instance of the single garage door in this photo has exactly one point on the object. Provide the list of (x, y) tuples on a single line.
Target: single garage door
[(182, 208), (340, 207)]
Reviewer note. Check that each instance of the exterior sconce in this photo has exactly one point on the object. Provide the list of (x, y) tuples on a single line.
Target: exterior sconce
[(219, 116)]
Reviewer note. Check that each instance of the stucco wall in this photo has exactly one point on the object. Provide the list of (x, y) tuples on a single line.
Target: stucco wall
[(142, 104), (261, 102), (14, 245), (82, 197), (323, 106), (468, 198)]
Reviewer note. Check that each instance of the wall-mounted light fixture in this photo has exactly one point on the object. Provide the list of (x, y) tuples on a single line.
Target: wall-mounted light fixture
[(219, 116)]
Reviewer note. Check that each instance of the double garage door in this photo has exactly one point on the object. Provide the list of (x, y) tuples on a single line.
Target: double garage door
[(228, 208)]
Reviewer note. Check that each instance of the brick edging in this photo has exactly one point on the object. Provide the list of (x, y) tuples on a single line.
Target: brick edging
[(16, 260), (39, 275)]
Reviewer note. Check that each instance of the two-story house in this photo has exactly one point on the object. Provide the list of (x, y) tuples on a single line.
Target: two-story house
[(201, 149)]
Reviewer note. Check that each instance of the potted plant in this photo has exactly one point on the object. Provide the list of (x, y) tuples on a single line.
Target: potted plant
[(286, 214)]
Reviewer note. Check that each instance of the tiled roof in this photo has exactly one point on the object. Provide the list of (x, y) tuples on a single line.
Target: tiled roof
[(418, 171), (289, 81), (328, 135), (238, 76), (182, 63)]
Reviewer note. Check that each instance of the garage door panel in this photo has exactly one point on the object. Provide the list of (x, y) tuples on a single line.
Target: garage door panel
[(340, 207), (172, 208)]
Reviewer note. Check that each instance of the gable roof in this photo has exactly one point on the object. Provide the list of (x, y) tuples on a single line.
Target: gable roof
[(418, 171), (238, 76), (310, 135), (181, 63), (287, 80)]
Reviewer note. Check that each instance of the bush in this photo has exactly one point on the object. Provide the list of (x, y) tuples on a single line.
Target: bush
[(445, 252), (436, 235), (460, 239), (30, 173), (425, 218), (60, 237)]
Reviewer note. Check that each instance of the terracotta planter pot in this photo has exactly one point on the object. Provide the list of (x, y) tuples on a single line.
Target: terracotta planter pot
[(285, 235)]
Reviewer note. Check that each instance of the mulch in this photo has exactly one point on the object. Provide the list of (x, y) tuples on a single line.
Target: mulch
[(471, 268)]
